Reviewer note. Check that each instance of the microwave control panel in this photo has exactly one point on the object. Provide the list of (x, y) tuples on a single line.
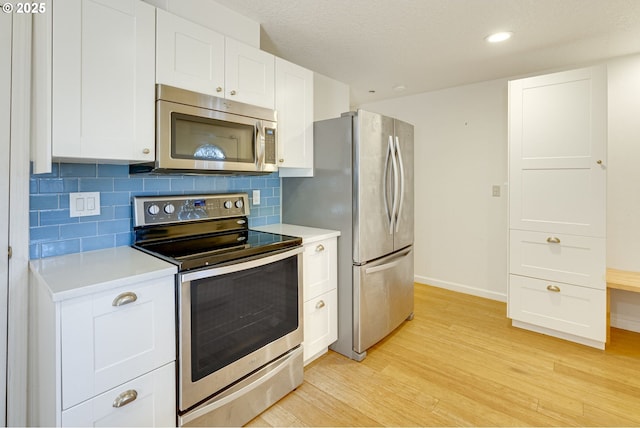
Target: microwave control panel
[(270, 145)]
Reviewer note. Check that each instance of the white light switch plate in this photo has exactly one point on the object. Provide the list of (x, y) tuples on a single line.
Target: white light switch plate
[(82, 204), (256, 197)]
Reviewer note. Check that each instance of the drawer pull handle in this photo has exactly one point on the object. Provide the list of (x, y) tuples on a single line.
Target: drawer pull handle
[(233, 92), (319, 248), (553, 240), (553, 288), (320, 304), (125, 298), (219, 89), (125, 398)]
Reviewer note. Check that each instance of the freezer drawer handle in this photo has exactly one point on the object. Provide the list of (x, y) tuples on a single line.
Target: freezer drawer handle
[(320, 304), (553, 288), (125, 398), (385, 266), (553, 240), (319, 248), (124, 298)]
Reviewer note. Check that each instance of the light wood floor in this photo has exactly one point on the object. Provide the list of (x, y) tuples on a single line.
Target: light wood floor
[(460, 363)]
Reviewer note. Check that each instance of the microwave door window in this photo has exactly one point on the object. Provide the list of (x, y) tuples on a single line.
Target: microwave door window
[(211, 140)]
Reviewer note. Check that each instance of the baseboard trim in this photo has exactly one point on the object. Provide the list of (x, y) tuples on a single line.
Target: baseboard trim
[(461, 288), (624, 323)]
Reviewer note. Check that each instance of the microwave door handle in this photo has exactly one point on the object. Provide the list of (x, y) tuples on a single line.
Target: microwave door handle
[(260, 145)]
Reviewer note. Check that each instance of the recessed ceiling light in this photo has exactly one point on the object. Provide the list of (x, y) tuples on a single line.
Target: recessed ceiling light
[(499, 37), (372, 91), (399, 88)]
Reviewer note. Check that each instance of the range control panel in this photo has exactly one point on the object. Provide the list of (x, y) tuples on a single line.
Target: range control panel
[(150, 210)]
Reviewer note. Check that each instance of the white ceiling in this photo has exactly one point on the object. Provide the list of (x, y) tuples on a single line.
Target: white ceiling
[(433, 44)]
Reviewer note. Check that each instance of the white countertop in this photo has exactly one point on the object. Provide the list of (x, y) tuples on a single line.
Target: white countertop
[(76, 275), (308, 234)]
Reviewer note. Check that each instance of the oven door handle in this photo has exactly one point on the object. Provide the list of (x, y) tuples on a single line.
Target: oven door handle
[(207, 273)]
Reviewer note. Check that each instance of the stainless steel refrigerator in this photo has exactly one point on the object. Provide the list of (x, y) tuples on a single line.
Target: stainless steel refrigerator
[(363, 187)]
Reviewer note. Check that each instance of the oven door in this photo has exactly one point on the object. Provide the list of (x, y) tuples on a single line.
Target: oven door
[(232, 320)]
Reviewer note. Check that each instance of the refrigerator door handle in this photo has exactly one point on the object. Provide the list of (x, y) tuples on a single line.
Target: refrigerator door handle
[(399, 154), (385, 266), (396, 182), (386, 184)]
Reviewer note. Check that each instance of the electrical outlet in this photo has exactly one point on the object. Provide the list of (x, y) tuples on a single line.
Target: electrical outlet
[(82, 204), (256, 197)]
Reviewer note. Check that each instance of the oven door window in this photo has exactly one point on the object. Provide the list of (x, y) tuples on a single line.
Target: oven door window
[(207, 139), (235, 314)]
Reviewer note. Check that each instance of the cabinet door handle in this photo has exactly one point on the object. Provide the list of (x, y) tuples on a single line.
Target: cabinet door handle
[(125, 398), (320, 304), (124, 298), (219, 89), (233, 92), (146, 151), (319, 248), (553, 288), (553, 240)]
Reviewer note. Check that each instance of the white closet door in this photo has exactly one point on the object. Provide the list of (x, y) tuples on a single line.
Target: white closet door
[(5, 134), (557, 134)]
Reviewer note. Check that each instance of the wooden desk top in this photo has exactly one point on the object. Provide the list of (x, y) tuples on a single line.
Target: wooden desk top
[(623, 280)]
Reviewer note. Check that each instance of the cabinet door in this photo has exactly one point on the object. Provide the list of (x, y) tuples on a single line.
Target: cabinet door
[(109, 338), (572, 309), (320, 268), (557, 143), (294, 103), (154, 404), (188, 55), (320, 324), (249, 74), (572, 259), (103, 80)]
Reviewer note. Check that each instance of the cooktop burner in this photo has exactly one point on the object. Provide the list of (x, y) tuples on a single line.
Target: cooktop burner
[(199, 231)]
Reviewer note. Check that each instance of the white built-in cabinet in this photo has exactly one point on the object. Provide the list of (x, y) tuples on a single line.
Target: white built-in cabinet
[(102, 340), (196, 58), (320, 293), (294, 103), (557, 190), (96, 68)]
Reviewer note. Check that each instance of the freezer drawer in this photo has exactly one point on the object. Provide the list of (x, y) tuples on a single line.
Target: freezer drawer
[(383, 297)]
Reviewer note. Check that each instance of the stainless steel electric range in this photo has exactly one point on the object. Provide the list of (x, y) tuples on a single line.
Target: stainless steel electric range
[(239, 305)]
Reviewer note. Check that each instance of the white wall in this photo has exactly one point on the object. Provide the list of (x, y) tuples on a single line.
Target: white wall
[(330, 97), (460, 152)]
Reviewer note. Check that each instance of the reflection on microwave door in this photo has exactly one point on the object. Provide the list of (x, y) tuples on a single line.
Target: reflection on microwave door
[(209, 152)]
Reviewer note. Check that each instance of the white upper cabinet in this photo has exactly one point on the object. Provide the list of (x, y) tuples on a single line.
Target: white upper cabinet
[(198, 59), (103, 68), (557, 134), (188, 55), (249, 74), (294, 103)]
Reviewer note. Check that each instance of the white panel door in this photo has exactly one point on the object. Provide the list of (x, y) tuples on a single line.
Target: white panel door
[(188, 55), (557, 143), (5, 140), (103, 80), (320, 323), (294, 103), (320, 268), (249, 74), (104, 344)]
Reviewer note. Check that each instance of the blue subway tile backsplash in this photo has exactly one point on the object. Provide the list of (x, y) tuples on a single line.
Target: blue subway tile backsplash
[(53, 232)]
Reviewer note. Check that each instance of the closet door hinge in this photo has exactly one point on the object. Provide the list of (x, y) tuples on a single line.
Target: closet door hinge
[(10, 252)]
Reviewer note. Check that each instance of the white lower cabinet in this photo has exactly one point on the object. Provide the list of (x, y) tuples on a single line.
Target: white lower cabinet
[(148, 400), (575, 310), (320, 272)]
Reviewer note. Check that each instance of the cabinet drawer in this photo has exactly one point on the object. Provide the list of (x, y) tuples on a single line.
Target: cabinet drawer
[(105, 345), (154, 403), (320, 267), (576, 310), (572, 259), (320, 323)]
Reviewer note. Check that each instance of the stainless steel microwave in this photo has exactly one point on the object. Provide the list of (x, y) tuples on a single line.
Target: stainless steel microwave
[(203, 134)]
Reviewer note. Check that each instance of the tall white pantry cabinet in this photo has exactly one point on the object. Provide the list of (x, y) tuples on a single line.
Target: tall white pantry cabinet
[(557, 204)]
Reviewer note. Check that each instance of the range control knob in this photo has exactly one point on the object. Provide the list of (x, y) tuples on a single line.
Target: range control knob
[(239, 203), (228, 204), (153, 209), (169, 208)]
